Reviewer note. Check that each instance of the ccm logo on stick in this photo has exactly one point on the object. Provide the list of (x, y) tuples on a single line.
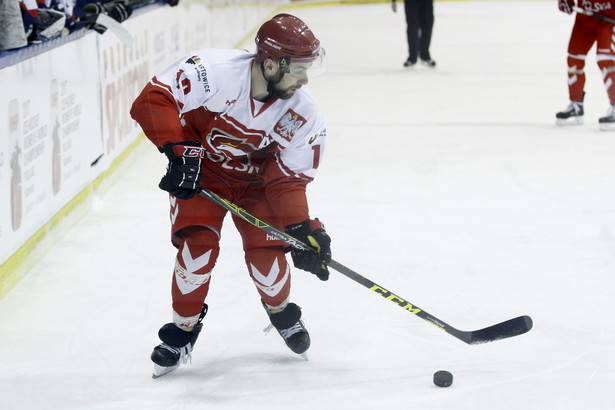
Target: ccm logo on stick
[(396, 299)]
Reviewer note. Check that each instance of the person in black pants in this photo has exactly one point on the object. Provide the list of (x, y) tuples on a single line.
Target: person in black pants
[(419, 21)]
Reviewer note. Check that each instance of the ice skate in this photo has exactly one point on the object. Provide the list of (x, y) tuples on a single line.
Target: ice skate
[(572, 115), (289, 325), (176, 347), (607, 123), (409, 63), (429, 63)]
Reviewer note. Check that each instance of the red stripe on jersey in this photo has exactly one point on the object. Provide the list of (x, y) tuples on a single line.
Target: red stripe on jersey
[(263, 108), (241, 127), (287, 171), (157, 83)]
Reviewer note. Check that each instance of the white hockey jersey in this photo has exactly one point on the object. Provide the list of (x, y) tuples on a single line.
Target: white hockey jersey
[(206, 96)]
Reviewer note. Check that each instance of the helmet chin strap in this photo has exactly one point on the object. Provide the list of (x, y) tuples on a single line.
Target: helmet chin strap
[(282, 68)]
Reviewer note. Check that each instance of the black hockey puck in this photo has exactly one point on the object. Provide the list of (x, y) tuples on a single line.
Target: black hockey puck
[(442, 378)]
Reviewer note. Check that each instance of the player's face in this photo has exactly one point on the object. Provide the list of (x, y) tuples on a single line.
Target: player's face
[(291, 81)]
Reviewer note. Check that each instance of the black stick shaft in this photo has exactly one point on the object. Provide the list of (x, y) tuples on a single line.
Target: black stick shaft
[(589, 13)]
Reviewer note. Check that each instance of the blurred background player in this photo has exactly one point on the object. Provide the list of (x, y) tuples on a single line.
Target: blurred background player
[(586, 31), (419, 25), (243, 126)]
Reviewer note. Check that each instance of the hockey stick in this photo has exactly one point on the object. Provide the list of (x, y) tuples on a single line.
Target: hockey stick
[(116, 28), (503, 330), (109, 23), (589, 13)]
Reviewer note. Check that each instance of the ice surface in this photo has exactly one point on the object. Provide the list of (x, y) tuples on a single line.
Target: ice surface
[(451, 187)]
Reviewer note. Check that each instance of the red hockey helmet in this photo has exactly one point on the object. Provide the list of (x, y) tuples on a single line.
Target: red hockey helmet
[(286, 36)]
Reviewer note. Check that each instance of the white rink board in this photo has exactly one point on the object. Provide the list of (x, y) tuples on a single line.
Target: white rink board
[(52, 137)]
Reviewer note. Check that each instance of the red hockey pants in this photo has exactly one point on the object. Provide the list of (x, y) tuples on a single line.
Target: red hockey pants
[(588, 30), (196, 228)]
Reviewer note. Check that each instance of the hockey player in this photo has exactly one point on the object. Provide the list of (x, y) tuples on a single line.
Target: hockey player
[(243, 126), (586, 31)]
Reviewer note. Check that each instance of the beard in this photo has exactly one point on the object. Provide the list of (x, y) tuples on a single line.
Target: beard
[(283, 94), (280, 93)]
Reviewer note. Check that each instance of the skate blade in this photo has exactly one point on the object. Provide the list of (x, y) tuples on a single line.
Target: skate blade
[(162, 370), (607, 126), (569, 121)]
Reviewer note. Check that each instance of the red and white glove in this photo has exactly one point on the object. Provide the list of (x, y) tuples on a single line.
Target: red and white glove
[(566, 6)]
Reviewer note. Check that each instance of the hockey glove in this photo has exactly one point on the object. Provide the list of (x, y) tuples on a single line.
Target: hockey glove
[(119, 10), (184, 170), (566, 6), (311, 232)]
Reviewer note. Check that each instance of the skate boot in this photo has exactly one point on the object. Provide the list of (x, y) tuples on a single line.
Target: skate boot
[(409, 63), (289, 325), (573, 115), (607, 123), (176, 347), (428, 62)]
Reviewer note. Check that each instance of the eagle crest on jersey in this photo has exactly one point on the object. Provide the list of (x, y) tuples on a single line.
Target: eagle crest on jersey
[(289, 124)]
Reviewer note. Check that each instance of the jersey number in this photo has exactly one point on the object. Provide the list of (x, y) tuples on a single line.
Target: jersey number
[(185, 83), (316, 149)]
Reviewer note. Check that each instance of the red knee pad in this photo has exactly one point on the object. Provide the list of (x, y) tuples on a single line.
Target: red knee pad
[(271, 275), (576, 78), (607, 68), (196, 256)]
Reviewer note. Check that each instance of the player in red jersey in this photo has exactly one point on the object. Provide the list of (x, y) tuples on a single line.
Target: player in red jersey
[(244, 126), (587, 30)]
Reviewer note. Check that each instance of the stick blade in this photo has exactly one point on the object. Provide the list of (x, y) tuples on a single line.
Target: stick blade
[(504, 330)]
